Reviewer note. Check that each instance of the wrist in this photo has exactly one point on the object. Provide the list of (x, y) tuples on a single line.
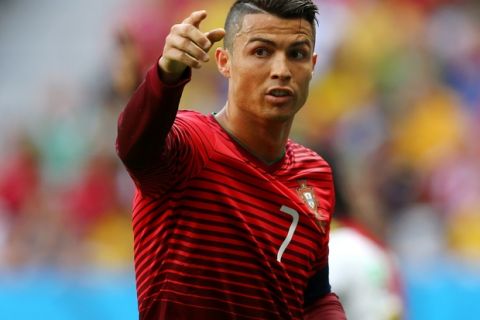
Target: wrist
[(167, 76)]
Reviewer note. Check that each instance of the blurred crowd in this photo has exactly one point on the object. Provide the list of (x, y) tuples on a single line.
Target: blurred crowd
[(395, 104)]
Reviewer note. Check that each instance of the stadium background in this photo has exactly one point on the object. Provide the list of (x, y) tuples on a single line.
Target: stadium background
[(395, 102)]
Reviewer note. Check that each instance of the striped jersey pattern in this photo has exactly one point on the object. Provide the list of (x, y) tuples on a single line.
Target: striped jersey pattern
[(221, 235)]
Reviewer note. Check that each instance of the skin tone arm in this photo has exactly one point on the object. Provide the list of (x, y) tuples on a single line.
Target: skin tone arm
[(186, 46)]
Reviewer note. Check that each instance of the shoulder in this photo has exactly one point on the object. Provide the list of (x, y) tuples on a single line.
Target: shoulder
[(195, 128), (193, 120), (191, 115), (303, 155)]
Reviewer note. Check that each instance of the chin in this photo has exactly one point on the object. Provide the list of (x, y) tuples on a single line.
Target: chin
[(281, 115)]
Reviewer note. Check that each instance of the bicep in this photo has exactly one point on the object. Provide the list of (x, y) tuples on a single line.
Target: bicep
[(183, 156)]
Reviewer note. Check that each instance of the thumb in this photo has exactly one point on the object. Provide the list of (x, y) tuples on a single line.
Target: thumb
[(215, 35)]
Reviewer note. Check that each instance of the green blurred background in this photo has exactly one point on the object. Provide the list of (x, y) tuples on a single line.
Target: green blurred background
[(394, 105)]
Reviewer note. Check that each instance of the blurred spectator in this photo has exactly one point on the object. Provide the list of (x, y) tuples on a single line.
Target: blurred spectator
[(35, 226), (19, 175), (97, 214), (140, 33), (19, 181), (364, 271), (367, 277)]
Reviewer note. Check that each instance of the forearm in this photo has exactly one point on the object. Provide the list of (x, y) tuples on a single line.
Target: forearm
[(328, 307), (144, 124), (146, 120)]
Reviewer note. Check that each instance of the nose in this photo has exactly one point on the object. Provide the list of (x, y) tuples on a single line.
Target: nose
[(280, 69)]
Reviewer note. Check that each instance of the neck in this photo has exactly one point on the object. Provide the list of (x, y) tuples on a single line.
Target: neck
[(265, 139)]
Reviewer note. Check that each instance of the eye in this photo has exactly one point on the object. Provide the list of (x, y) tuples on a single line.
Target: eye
[(261, 52), (298, 54)]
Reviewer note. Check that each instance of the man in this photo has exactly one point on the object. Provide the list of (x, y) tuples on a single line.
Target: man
[(231, 218)]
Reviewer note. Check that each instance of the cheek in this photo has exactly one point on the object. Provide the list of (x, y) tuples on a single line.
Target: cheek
[(250, 69), (304, 81), (249, 79)]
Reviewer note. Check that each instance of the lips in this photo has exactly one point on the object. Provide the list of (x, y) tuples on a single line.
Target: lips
[(279, 96), (280, 92)]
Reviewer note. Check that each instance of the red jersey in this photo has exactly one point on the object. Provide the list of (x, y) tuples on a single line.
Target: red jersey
[(218, 233)]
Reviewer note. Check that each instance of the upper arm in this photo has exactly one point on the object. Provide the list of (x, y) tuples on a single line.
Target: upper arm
[(185, 152)]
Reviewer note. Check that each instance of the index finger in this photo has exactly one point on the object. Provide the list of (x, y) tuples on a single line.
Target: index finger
[(195, 18)]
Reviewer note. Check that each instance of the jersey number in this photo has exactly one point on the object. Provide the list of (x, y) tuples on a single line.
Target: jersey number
[(291, 230)]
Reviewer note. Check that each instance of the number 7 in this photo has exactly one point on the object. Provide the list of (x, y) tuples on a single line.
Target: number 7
[(291, 230)]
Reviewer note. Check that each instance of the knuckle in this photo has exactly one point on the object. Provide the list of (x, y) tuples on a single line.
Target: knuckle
[(174, 28), (179, 28), (188, 28), (168, 39), (183, 42), (183, 56)]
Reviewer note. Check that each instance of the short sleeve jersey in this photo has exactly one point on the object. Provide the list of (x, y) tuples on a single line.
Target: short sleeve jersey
[(221, 235)]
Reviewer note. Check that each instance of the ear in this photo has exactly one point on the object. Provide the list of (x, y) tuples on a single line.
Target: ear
[(314, 60), (223, 61)]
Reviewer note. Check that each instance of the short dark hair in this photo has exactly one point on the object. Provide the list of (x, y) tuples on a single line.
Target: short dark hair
[(286, 9)]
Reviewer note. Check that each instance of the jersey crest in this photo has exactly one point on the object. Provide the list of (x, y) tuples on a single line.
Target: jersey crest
[(307, 195)]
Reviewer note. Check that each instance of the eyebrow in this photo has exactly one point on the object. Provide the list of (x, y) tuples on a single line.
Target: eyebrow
[(272, 43)]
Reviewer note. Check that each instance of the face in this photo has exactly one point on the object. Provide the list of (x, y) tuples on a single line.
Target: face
[(270, 67)]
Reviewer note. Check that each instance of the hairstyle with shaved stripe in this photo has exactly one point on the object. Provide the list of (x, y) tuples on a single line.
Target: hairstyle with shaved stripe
[(286, 9)]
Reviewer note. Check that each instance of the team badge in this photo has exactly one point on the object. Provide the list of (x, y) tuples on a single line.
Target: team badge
[(307, 195)]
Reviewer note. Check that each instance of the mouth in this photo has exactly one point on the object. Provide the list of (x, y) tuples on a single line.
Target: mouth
[(280, 92), (279, 96)]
